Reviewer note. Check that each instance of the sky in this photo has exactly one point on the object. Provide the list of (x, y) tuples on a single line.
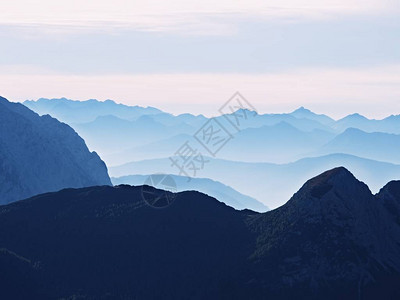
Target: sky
[(333, 56)]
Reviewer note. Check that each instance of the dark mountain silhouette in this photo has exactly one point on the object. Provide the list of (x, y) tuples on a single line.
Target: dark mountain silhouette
[(390, 196), (215, 189), (264, 181), (40, 154), (332, 240)]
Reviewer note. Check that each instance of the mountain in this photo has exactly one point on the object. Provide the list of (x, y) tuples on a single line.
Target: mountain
[(390, 124), (376, 145), (304, 113), (264, 181), (40, 154), (355, 121), (110, 134), (207, 186), (390, 195), (156, 149), (251, 119), (105, 243), (332, 240), (73, 111), (279, 143)]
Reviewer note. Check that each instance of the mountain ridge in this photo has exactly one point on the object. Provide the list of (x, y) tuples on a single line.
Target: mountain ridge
[(341, 243)]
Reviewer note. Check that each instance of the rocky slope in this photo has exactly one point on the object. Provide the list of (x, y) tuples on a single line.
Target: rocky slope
[(40, 154)]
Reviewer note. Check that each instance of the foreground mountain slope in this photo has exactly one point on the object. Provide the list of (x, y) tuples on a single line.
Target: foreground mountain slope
[(332, 240), (40, 154), (104, 241)]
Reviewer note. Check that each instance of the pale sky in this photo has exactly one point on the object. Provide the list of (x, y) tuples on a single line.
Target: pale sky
[(332, 56)]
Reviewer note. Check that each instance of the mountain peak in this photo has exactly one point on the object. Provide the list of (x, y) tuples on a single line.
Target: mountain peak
[(322, 183), (302, 109), (334, 188), (304, 113), (355, 116), (392, 189), (245, 111)]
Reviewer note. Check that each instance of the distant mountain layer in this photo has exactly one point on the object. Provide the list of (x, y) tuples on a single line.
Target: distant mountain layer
[(121, 133), (378, 145), (271, 184), (71, 111), (277, 143), (332, 240), (40, 154), (210, 187)]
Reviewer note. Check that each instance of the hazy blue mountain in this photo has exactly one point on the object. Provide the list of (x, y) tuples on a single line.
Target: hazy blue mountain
[(356, 121), (278, 143), (173, 120), (377, 145), (390, 124), (304, 113), (121, 133), (251, 119), (158, 149), (40, 154), (271, 184), (110, 134), (207, 186), (72, 111), (332, 240)]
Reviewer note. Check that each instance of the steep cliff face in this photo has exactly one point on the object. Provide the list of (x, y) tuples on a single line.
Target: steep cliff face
[(41, 154)]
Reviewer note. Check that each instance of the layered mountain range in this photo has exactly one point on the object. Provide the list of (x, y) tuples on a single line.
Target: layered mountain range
[(333, 239), (122, 133), (271, 184), (41, 154), (270, 150)]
